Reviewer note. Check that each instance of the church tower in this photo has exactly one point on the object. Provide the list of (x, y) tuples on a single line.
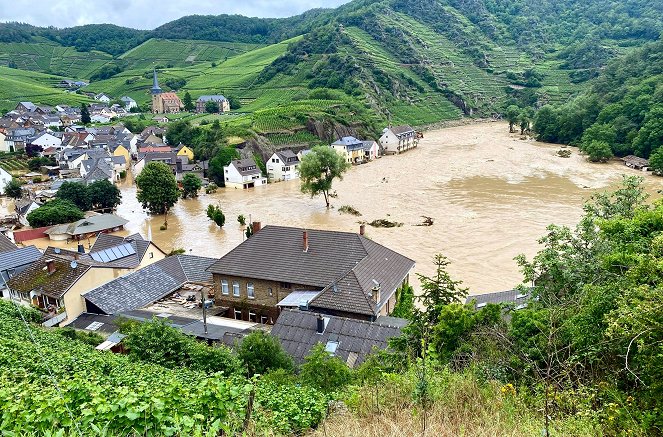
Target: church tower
[(157, 104)]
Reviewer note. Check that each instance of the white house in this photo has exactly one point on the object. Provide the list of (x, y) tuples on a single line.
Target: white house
[(371, 150), (398, 139), (100, 118), (5, 178), (23, 208), (128, 103), (46, 140), (283, 166), (102, 97), (243, 173), (3, 145)]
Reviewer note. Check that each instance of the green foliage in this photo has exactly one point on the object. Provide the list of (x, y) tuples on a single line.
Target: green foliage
[(35, 164), (512, 113), (85, 114), (241, 220), (323, 371), (234, 102), (13, 189), (439, 290), (188, 102), (90, 338), (77, 193), (159, 343), (656, 161), (55, 212), (318, 170), (191, 184), (157, 188), (104, 194), (211, 107), (262, 353), (597, 151), (223, 158), (404, 302), (215, 214)]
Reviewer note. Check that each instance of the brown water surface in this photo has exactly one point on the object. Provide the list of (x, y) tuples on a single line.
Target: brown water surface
[(491, 195)]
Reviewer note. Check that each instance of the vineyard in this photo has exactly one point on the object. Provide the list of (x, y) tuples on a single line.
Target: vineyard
[(14, 165), (49, 382)]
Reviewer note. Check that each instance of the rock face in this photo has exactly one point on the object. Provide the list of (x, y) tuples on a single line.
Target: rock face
[(322, 130)]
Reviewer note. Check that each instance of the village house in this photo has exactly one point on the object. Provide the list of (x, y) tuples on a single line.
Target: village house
[(5, 178), (183, 150), (283, 166), (45, 140), (371, 150), (243, 173), (221, 101), (102, 97), (517, 299), (58, 279), (24, 207), (25, 107), (87, 227), (334, 273), (351, 149), (398, 139), (13, 262), (350, 340), (164, 103), (183, 167), (3, 145), (128, 102), (145, 158)]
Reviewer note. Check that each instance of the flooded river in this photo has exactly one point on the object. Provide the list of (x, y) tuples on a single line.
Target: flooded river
[(490, 194)]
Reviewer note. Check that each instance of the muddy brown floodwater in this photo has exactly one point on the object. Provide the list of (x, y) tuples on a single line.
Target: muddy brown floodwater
[(490, 193)]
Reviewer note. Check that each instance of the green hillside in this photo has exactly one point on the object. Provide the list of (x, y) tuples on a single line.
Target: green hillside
[(18, 85)]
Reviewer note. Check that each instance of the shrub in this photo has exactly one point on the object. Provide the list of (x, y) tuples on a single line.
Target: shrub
[(54, 212), (324, 371), (262, 352)]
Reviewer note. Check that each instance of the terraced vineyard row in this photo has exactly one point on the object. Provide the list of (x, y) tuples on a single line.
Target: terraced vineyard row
[(281, 139)]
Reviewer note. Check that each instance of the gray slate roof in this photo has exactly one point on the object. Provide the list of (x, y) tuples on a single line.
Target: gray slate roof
[(288, 156), (516, 297), (402, 130), (297, 332), (342, 264), (246, 166), (217, 98), (5, 244), (94, 223), (17, 260), (149, 284)]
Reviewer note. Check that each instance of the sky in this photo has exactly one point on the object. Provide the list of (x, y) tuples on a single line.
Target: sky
[(145, 14)]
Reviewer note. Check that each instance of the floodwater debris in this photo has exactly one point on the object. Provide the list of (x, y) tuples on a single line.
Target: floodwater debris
[(564, 153), (347, 209), (384, 223), (428, 221)]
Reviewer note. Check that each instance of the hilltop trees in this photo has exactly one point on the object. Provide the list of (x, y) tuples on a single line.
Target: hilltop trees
[(157, 188), (319, 169)]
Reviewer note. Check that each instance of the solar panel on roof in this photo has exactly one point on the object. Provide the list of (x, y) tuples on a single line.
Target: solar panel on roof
[(94, 326), (113, 253)]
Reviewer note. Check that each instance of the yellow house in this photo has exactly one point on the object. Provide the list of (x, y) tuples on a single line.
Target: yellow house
[(58, 279), (185, 151), (120, 150)]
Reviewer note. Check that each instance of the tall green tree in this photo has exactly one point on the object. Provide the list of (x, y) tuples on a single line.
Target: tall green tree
[(439, 290), (511, 114), (656, 161), (223, 158), (597, 151), (190, 185), (85, 114), (76, 193), (55, 212), (157, 188), (13, 189), (319, 169), (324, 371), (188, 102), (104, 194), (212, 107)]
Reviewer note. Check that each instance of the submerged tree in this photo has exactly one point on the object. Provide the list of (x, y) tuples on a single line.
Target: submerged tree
[(190, 185), (319, 169), (157, 188), (215, 214)]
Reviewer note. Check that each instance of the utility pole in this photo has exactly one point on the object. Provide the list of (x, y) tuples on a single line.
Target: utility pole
[(204, 300), (165, 218)]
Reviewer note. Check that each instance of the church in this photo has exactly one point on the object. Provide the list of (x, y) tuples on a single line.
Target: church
[(164, 103)]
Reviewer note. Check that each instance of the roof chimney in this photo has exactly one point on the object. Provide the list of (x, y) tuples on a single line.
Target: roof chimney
[(50, 266), (362, 229), (305, 247), (321, 324), (375, 291), (81, 248), (256, 227)]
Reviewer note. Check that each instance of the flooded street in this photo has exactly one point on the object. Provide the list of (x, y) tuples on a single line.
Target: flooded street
[(490, 193)]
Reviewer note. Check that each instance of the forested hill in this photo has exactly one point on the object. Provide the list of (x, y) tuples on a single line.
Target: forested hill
[(622, 110)]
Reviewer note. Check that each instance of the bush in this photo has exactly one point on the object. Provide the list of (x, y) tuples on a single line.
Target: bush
[(262, 353), (215, 214), (324, 371)]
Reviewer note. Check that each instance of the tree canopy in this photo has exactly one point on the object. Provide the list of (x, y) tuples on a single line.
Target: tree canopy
[(77, 193), (55, 212), (223, 158), (191, 184), (157, 188), (13, 189), (318, 170)]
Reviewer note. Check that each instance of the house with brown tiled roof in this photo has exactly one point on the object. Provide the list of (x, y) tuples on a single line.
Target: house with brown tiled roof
[(336, 273)]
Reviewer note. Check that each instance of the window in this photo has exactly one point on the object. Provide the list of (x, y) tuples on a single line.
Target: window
[(269, 290), (263, 320), (250, 291), (331, 347), (285, 285), (224, 287), (238, 314), (235, 288), (252, 317), (151, 254)]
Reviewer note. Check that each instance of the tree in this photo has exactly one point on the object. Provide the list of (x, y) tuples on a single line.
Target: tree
[(188, 102), (13, 189), (211, 107), (223, 158), (324, 371), (157, 188), (85, 114), (35, 164), (439, 290), (650, 136), (215, 214), (104, 194), (404, 307), (234, 102), (262, 353), (597, 151), (599, 132), (319, 169), (55, 212), (512, 113), (190, 185), (656, 161), (525, 120), (76, 193)]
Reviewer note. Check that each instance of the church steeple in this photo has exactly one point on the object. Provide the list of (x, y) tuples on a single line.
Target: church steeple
[(155, 84)]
